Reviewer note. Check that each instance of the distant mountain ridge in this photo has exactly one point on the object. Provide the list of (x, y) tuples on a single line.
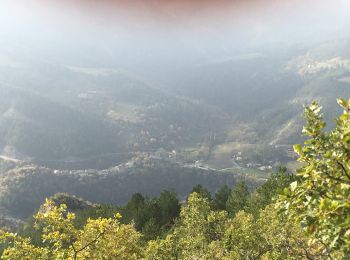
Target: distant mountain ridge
[(52, 112)]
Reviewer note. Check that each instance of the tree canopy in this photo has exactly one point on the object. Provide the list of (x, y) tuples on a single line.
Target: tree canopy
[(302, 216)]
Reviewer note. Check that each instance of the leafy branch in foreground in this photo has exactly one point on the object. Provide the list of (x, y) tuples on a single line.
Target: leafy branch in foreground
[(99, 239), (320, 198)]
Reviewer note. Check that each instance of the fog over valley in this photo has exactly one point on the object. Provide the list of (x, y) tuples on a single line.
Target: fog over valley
[(104, 99)]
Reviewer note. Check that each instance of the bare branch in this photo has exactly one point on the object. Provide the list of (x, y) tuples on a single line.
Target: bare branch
[(344, 170)]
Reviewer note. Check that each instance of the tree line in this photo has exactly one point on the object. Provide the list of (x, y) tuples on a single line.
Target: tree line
[(299, 216)]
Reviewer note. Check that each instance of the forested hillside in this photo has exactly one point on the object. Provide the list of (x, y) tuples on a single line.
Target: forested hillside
[(25, 186), (290, 216), (174, 129)]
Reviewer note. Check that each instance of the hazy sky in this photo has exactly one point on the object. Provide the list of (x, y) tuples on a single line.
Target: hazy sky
[(155, 24)]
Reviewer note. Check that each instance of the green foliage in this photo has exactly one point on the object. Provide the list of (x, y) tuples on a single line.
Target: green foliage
[(221, 197), (99, 239), (169, 207), (238, 199), (320, 198), (233, 225), (201, 191), (194, 236), (152, 216), (266, 193), (73, 203), (99, 211), (82, 210), (270, 236), (202, 233)]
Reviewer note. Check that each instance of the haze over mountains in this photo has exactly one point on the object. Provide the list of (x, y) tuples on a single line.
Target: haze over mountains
[(85, 85), (51, 110)]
